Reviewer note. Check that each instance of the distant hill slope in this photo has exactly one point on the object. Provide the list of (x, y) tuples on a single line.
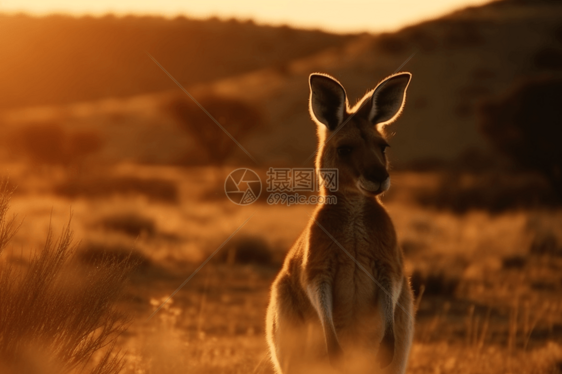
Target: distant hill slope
[(60, 59), (457, 60)]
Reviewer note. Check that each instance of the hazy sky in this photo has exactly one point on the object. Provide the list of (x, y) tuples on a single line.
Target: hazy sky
[(333, 15)]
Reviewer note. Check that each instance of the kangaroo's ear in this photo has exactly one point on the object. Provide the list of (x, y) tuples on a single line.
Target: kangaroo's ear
[(388, 99), (328, 101)]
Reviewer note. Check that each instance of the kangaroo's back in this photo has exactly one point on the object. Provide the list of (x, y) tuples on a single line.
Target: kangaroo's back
[(341, 297)]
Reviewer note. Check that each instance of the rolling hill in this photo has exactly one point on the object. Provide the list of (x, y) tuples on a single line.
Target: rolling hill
[(58, 60), (457, 61)]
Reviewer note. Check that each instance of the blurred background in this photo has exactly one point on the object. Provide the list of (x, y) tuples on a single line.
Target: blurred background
[(91, 126)]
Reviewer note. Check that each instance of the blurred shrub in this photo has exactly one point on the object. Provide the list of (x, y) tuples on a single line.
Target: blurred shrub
[(514, 262), (434, 283), (132, 224), (525, 125), (235, 116), (42, 143), (55, 315), (247, 250), (50, 144), (546, 243), (548, 58), (153, 188), (490, 190), (83, 143)]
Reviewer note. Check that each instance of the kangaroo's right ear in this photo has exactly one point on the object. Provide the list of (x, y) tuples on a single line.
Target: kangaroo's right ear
[(328, 101), (388, 98)]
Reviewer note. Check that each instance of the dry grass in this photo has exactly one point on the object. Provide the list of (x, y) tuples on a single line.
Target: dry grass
[(153, 188), (490, 300), (55, 316), (8, 227)]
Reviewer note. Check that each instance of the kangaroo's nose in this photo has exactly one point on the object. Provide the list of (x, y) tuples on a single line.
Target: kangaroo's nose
[(377, 174)]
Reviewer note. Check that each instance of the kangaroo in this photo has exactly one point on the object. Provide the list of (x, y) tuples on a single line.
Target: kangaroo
[(341, 302)]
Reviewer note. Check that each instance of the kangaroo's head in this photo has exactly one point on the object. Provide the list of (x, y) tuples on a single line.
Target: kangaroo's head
[(352, 139)]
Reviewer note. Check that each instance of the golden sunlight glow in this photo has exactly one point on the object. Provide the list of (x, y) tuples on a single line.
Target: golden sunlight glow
[(330, 15)]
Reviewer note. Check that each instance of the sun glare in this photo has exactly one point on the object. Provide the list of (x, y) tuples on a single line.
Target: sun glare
[(330, 15)]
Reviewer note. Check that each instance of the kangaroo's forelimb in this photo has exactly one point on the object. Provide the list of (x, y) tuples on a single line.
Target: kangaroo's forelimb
[(320, 296)]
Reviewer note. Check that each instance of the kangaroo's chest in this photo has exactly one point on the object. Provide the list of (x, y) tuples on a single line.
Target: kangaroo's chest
[(357, 262), (360, 249)]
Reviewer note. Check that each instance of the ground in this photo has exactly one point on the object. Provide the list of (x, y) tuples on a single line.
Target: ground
[(487, 285)]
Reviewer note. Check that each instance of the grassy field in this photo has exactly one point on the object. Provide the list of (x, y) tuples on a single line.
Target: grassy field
[(487, 285)]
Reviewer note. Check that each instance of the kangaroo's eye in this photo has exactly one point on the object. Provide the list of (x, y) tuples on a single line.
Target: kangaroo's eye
[(383, 148), (344, 151)]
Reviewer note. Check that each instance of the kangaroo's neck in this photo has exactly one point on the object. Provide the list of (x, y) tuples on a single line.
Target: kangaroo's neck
[(353, 206)]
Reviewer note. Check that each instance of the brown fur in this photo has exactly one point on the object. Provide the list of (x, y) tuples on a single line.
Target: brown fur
[(328, 312)]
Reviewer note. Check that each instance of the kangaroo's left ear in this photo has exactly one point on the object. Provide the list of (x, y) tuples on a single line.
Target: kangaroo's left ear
[(388, 99), (328, 100)]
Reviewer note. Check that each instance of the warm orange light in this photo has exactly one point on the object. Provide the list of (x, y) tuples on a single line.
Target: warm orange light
[(332, 15)]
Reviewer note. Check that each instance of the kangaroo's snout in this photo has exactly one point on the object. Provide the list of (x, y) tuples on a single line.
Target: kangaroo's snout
[(374, 186), (377, 174), (374, 180)]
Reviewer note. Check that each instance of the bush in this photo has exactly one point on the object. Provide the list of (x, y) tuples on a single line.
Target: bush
[(247, 250), (129, 223), (492, 191), (153, 188), (50, 144), (514, 262), (235, 116), (434, 284), (55, 314), (546, 243), (42, 143), (525, 125)]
